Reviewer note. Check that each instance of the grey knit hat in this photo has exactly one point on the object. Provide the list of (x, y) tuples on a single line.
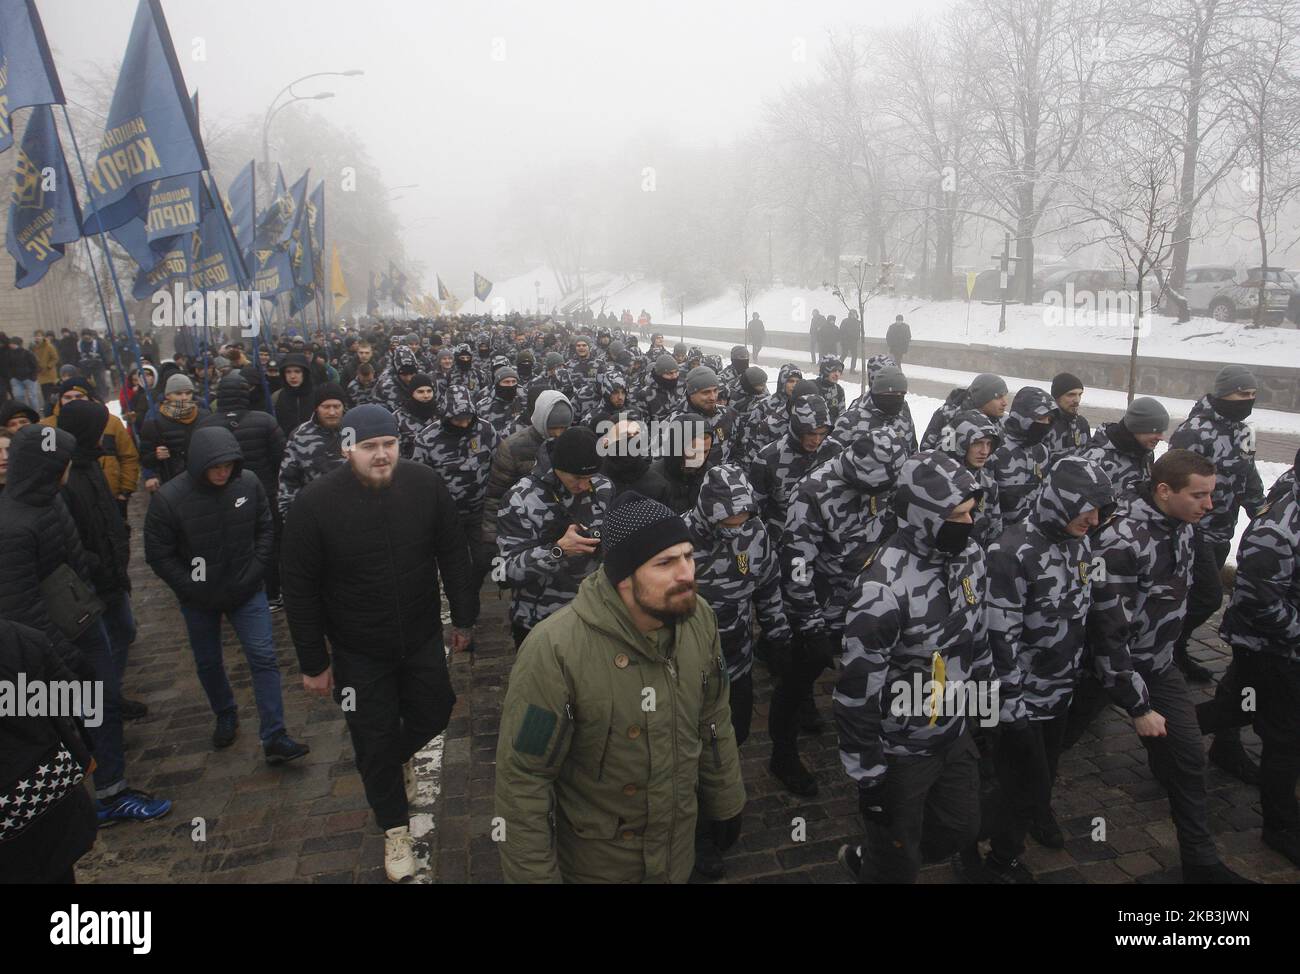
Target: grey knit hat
[(984, 387), (889, 380), (1146, 415), (178, 382), (665, 364), (1234, 378), (700, 378)]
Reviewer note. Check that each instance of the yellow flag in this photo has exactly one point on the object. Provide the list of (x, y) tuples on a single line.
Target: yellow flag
[(970, 282), (338, 286)]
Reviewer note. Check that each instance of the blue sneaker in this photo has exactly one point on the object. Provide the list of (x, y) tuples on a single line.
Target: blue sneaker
[(131, 806)]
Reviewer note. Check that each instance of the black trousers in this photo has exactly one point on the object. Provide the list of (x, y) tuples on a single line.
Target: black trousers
[(934, 801), (793, 687), (1206, 593), (395, 707), (1026, 761), (273, 569), (742, 706), (1177, 761), (1275, 682), (520, 633)]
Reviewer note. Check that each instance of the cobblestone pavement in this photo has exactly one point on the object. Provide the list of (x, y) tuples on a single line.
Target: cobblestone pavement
[(238, 820)]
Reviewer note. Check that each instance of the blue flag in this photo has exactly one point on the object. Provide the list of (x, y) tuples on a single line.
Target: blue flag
[(27, 75), (175, 266), (43, 213), (151, 133), (297, 203), (482, 286), (218, 265), (276, 216), (241, 207), (316, 216), (175, 207), (273, 271)]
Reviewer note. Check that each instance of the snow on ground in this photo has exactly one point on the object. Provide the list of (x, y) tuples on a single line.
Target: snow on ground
[(1028, 326)]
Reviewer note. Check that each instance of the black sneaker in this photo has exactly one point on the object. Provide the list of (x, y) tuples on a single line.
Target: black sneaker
[(1191, 669), (1047, 833), (133, 709), (810, 721), (1011, 873), (1215, 874), (1231, 757), (1286, 842), (850, 857), (275, 604), (227, 727), (789, 770), (282, 748)]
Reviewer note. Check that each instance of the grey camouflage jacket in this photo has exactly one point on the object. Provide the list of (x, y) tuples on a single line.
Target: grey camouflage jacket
[(1230, 446)]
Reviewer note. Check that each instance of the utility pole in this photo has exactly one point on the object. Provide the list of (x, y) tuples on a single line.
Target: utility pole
[(1004, 260)]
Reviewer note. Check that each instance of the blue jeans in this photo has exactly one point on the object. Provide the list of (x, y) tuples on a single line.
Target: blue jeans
[(106, 739), (252, 624), (28, 391), (120, 623)]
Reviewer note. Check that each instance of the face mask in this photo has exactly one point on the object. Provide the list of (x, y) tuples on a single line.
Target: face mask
[(1234, 409), (666, 382), (455, 430), (889, 404), (424, 410), (732, 532), (1036, 432), (507, 392), (952, 537), (525, 371)]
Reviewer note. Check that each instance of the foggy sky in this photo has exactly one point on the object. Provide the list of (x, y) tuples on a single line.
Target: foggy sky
[(436, 109)]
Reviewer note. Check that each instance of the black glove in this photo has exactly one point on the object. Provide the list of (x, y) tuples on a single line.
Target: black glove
[(816, 647), (725, 833), (871, 803)]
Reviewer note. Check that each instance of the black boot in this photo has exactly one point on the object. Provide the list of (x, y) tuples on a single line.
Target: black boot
[(810, 721), (1215, 874), (1192, 670), (1046, 832), (789, 770), (708, 859), (1231, 757)]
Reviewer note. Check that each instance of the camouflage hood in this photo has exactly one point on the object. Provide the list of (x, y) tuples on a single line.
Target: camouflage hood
[(401, 356), (1073, 485), (725, 492), (967, 427), (787, 371), (808, 414), (876, 363), (458, 402), (1030, 404), (828, 364), (873, 461), (610, 383), (930, 487)]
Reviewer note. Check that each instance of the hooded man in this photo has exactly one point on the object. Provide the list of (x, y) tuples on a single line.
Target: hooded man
[(837, 515), (418, 408), (780, 466), (165, 437), (1139, 602), (548, 529), (882, 406), (314, 449), (1039, 597), (775, 422), (731, 375), (748, 401), (209, 536), (1126, 449), (686, 453), (1020, 463), (626, 450), (375, 638), (829, 370), (504, 406), (972, 438), (623, 782), (292, 403), (516, 455), (1070, 431), (987, 393), (39, 537), (119, 458), (916, 616), (660, 396)]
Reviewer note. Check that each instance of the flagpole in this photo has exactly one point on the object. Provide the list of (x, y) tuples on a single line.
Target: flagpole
[(108, 259)]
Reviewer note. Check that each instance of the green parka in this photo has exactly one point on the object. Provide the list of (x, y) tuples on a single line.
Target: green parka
[(616, 743)]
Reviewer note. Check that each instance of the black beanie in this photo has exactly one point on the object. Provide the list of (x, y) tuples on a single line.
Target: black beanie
[(574, 452), (1065, 382), (636, 529), (326, 391), (420, 379), (368, 421), (84, 419)]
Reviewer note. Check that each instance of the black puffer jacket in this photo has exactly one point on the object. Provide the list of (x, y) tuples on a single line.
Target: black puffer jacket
[(293, 404), (94, 510), (261, 441), (159, 430), (228, 527), (404, 536), (37, 533)]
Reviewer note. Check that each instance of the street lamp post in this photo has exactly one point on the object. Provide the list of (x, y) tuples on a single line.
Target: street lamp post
[(272, 109)]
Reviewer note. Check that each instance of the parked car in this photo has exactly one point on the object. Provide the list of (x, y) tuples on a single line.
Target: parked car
[(1226, 294)]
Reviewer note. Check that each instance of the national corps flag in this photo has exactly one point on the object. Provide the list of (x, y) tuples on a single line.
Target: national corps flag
[(241, 206), (27, 75), (482, 286), (443, 293), (218, 264), (274, 218), (43, 213), (151, 132)]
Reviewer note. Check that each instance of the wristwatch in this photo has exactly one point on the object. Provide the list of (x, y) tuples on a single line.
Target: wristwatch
[(557, 552)]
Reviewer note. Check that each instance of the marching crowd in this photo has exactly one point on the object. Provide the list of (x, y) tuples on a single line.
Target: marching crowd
[(984, 586)]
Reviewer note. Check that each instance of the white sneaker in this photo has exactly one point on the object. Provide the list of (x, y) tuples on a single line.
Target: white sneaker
[(408, 779), (399, 860)]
